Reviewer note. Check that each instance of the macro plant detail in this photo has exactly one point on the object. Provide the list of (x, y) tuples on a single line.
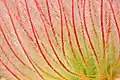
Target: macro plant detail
[(59, 40)]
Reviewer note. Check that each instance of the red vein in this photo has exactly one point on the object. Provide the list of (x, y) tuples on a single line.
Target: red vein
[(13, 50), (61, 23), (57, 55), (44, 70), (102, 29), (51, 45), (85, 26), (109, 28), (18, 38), (106, 17), (22, 25), (41, 12), (91, 17), (51, 24), (85, 44), (69, 34), (5, 25), (93, 24), (75, 33), (13, 63), (14, 74), (39, 47), (116, 23), (48, 52)]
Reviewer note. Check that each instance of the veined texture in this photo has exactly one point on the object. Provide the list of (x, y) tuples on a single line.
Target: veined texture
[(59, 39)]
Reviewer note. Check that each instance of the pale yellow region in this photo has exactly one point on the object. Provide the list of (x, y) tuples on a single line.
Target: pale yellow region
[(117, 79), (2, 78)]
